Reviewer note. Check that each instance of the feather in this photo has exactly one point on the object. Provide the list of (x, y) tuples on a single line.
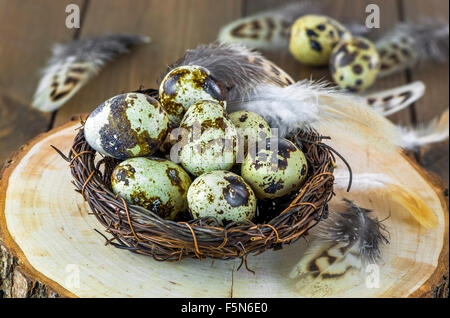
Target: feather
[(236, 67), (268, 30), (314, 105), (348, 239), (72, 65), (408, 44), (435, 131), (361, 181), (388, 102), (397, 193)]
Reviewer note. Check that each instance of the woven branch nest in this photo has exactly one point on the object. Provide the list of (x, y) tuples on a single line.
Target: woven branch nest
[(139, 230)]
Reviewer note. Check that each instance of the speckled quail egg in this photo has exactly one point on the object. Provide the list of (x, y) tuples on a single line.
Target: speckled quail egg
[(158, 185), (275, 170), (313, 37), (354, 64), (212, 139), (223, 195), (250, 126), (127, 125), (186, 85)]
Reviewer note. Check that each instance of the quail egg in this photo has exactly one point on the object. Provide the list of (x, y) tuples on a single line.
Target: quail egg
[(354, 64), (127, 125), (250, 126), (211, 139), (276, 170), (313, 37), (223, 195), (186, 85), (158, 185)]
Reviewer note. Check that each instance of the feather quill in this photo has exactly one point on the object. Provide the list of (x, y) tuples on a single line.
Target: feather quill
[(72, 65), (348, 239), (409, 44)]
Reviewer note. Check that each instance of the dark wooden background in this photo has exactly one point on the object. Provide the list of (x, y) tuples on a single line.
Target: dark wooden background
[(28, 28)]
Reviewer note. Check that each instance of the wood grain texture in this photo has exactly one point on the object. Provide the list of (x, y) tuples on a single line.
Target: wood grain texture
[(436, 79), (50, 231), (28, 30), (18, 123)]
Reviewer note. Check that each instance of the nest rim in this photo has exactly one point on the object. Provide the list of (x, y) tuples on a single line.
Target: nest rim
[(141, 231)]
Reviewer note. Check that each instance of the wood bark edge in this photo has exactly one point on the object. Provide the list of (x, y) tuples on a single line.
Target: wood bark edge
[(18, 278)]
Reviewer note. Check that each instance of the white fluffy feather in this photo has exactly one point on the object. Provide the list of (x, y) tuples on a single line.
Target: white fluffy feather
[(435, 131), (307, 104)]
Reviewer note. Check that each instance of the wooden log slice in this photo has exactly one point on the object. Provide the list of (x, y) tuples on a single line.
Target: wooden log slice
[(48, 246)]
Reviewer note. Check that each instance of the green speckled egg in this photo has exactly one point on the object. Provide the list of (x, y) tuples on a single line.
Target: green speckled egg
[(313, 37), (158, 185), (250, 126), (275, 170), (212, 139), (127, 125), (186, 85), (354, 64), (223, 195)]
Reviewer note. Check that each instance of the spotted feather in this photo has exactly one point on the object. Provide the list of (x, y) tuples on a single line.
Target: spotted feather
[(72, 65), (267, 30), (388, 102), (270, 30), (345, 241), (409, 44)]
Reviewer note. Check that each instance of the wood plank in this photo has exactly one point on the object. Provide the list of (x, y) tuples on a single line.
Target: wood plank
[(27, 32), (18, 123), (174, 26), (436, 79)]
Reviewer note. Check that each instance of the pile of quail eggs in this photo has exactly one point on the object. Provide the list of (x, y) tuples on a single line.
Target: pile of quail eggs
[(318, 40), (202, 176)]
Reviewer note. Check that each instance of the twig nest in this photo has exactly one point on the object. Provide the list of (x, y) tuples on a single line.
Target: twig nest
[(127, 125), (354, 64), (313, 37), (158, 185), (185, 85), (275, 170), (223, 195), (211, 139), (250, 126)]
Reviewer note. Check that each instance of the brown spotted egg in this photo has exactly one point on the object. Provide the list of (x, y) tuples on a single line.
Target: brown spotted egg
[(223, 195), (186, 85), (250, 127), (211, 140), (354, 64), (313, 37), (158, 185), (276, 170), (127, 125)]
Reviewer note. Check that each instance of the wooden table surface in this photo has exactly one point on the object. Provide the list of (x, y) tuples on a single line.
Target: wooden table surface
[(30, 27)]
